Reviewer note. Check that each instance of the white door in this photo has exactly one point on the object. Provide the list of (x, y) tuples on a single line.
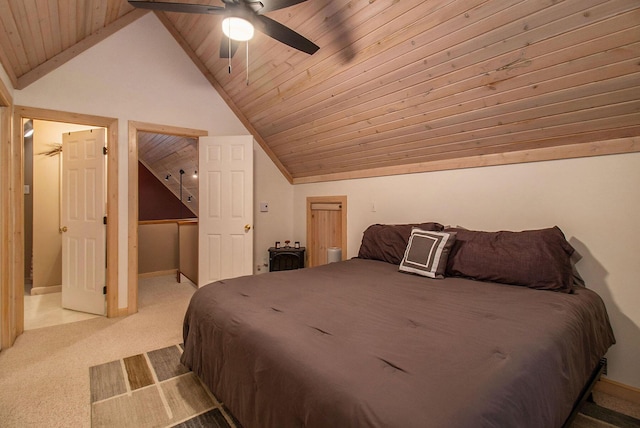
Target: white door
[(83, 230), (225, 220)]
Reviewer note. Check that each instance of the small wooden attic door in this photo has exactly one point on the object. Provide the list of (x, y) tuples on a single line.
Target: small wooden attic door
[(326, 227)]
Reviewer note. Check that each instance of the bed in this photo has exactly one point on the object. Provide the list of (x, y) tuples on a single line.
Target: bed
[(361, 343)]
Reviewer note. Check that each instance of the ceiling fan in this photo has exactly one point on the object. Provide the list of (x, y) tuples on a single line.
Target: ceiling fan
[(239, 13)]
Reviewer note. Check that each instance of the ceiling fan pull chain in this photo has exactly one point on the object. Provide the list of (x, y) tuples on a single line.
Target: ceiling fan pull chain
[(229, 55)]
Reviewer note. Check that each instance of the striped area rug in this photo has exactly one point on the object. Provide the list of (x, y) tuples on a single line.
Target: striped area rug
[(154, 390), (592, 415)]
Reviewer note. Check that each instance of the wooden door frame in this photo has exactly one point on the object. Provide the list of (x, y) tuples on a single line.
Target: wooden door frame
[(329, 200), (13, 311), (7, 293), (132, 214)]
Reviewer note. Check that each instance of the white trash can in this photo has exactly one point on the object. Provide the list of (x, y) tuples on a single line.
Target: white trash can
[(334, 254)]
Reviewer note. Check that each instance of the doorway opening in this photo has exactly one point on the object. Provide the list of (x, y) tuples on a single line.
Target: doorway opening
[(136, 131), (13, 312), (45, 227), (167, 206)]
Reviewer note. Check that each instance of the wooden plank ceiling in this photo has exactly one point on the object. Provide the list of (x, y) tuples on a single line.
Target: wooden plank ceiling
[(397, 86)]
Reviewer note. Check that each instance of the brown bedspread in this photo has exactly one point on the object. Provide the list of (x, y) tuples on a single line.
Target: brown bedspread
[(357, 343)]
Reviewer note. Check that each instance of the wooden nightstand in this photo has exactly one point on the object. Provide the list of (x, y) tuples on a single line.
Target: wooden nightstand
[(286, 258)]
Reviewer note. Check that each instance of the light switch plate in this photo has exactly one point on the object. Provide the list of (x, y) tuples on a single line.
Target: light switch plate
[(264, 207)]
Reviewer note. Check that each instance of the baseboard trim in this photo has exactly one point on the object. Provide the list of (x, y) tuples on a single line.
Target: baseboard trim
[(36, 291), (619, 390), (122, 312), (158, 273)]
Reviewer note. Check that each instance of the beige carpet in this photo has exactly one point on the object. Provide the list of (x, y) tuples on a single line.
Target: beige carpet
[(44, 379)]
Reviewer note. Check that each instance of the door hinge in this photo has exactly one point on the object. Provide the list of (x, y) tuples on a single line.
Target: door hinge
[(104, 150), (104, 290), (104, 220)]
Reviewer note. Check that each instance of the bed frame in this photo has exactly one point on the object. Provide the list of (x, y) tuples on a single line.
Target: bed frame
[(585, 394)]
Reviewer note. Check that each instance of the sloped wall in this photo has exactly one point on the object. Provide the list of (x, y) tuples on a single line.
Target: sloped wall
[(155, 201)]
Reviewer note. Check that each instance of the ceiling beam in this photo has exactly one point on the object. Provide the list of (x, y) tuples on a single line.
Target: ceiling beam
[(569, 151)]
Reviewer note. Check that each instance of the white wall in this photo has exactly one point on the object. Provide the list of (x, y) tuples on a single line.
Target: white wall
[(595, 201), (275, 225), (141, 74), (5, 79)]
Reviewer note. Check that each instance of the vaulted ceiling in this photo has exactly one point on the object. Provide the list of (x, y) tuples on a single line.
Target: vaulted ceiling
[(398, 85)]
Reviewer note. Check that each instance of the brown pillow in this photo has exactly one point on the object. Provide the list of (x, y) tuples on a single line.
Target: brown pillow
[(387, 242), (533, 258), (427, 253)]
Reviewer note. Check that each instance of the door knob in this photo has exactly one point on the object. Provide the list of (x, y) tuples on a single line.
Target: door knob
[(63, 229), (247, 227)]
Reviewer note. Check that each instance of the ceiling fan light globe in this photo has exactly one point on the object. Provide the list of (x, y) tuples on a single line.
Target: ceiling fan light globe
[(237, 29)]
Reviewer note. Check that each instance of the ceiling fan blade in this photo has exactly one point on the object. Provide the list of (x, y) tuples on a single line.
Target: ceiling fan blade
[(178, 7), (224, 47), (269, 5), (284, 34)]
